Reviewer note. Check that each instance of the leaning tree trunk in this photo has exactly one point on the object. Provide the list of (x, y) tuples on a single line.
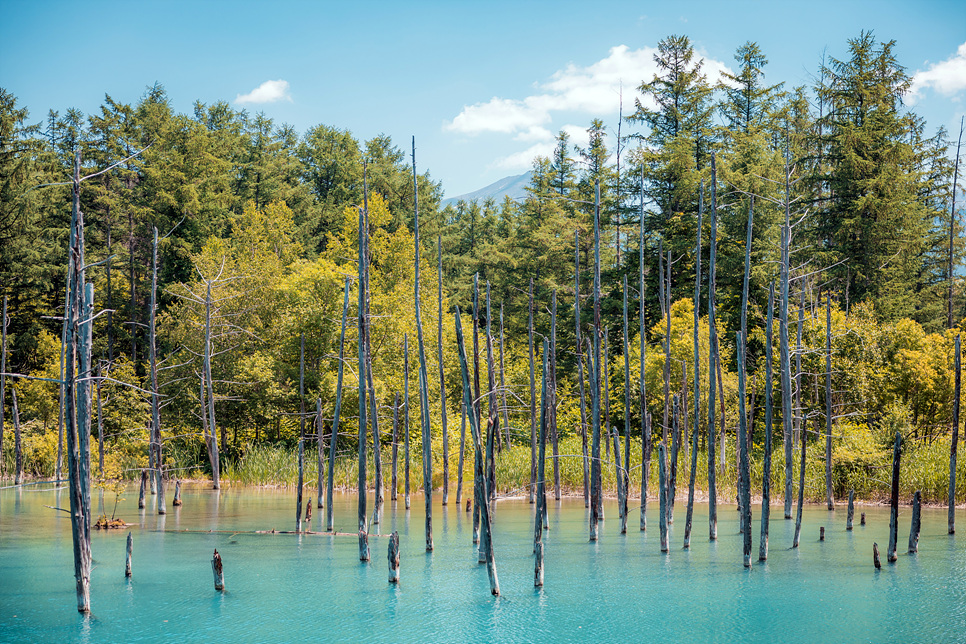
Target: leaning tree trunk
[(334, 439), (493, 421), (479, 470), (801, 492)]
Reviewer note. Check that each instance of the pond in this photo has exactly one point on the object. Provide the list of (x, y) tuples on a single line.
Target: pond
[(284, 587)]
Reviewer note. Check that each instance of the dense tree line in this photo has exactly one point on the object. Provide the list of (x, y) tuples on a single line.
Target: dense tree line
[(266, 217)]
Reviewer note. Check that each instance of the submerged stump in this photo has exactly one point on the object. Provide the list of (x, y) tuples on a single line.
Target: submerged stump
[(916, 522), (394, 558), (127, 560), (177, 493), (218, 571)]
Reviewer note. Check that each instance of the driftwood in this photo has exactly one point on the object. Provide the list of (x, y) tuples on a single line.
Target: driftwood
[(218, 571)]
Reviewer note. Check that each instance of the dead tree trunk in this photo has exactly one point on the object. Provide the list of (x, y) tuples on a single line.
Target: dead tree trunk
[(362, 322), (18, 453), (697, 372), (663, 484), (130, 551), (426, 431), (766, 475), (744, 493), (541, 479), (712, 358), (394, 558), (894, 502), (459, 471), (156, 445), (784, 352), (595, 493), (334, 439), (442, 380), (320, 452), (801, 492), (645, 416), (580, 370), (406, 420), (851, 512), (218, 571), (479, 469), (144, 484), (951, 499), (533, 399), (298, 491), (829, 499), (552, 400), (916, 522), (394, 485), (3, 384)]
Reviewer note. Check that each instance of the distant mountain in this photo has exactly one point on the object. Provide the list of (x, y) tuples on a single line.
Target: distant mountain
[(513, 187)]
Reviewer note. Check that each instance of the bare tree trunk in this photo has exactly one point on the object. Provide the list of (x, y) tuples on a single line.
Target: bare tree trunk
[(663, 484), (155, 408), (320, 452), (595, 493), (212, 438), (394, 558), (552, 400), (541, 478), (645, 416), (580, 370), (801, 493), (952, 227), (712, 358), (334, 439), (18, 453), (406, 490), (829, 499), (916, 522), (3, 386), (394, 484), (744, 493), (625, 473), (442, 380), (493, 421), (426, 431), (503, 405), (362, 322), (459, 471), (951, 499), (766, 475), (298, 491), (784, 353), (130, 550), (479, 470), (76, 400), (851, 512), (697, 372), (533, 400), (894, 502)]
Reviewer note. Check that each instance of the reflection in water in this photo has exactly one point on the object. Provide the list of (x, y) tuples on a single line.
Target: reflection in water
[(283, 587)]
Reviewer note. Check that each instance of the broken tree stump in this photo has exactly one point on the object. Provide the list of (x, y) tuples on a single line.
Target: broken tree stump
[(144, 481), (218, 572), (130, 548), (177, 493), (916, 522), (821, 533), (862, 519), (394, 558), (875, 556), (851, 514)]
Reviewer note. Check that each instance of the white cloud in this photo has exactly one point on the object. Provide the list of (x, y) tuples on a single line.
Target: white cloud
[(947, 77), (595, 90), (268, 92), (523, 159)]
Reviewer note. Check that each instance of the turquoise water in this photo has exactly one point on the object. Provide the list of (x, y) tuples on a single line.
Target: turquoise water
[(622, 588)]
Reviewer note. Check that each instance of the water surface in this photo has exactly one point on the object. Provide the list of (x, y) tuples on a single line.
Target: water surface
[(283, 587)]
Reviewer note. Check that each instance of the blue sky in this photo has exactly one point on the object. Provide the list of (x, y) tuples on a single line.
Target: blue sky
[(482, 85)]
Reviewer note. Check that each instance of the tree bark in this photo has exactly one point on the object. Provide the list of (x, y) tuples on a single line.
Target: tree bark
[(766, 475), (334, 439), (218, 571), (479, 469), (394, 558)]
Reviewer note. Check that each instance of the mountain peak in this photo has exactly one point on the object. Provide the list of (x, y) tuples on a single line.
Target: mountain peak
[(513, 186)]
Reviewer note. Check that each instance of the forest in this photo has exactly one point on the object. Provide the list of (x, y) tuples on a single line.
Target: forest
[(255, 227)]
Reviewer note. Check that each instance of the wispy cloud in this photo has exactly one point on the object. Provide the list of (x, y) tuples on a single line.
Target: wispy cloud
[(594, 89), (268, 92), (948, 77)]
